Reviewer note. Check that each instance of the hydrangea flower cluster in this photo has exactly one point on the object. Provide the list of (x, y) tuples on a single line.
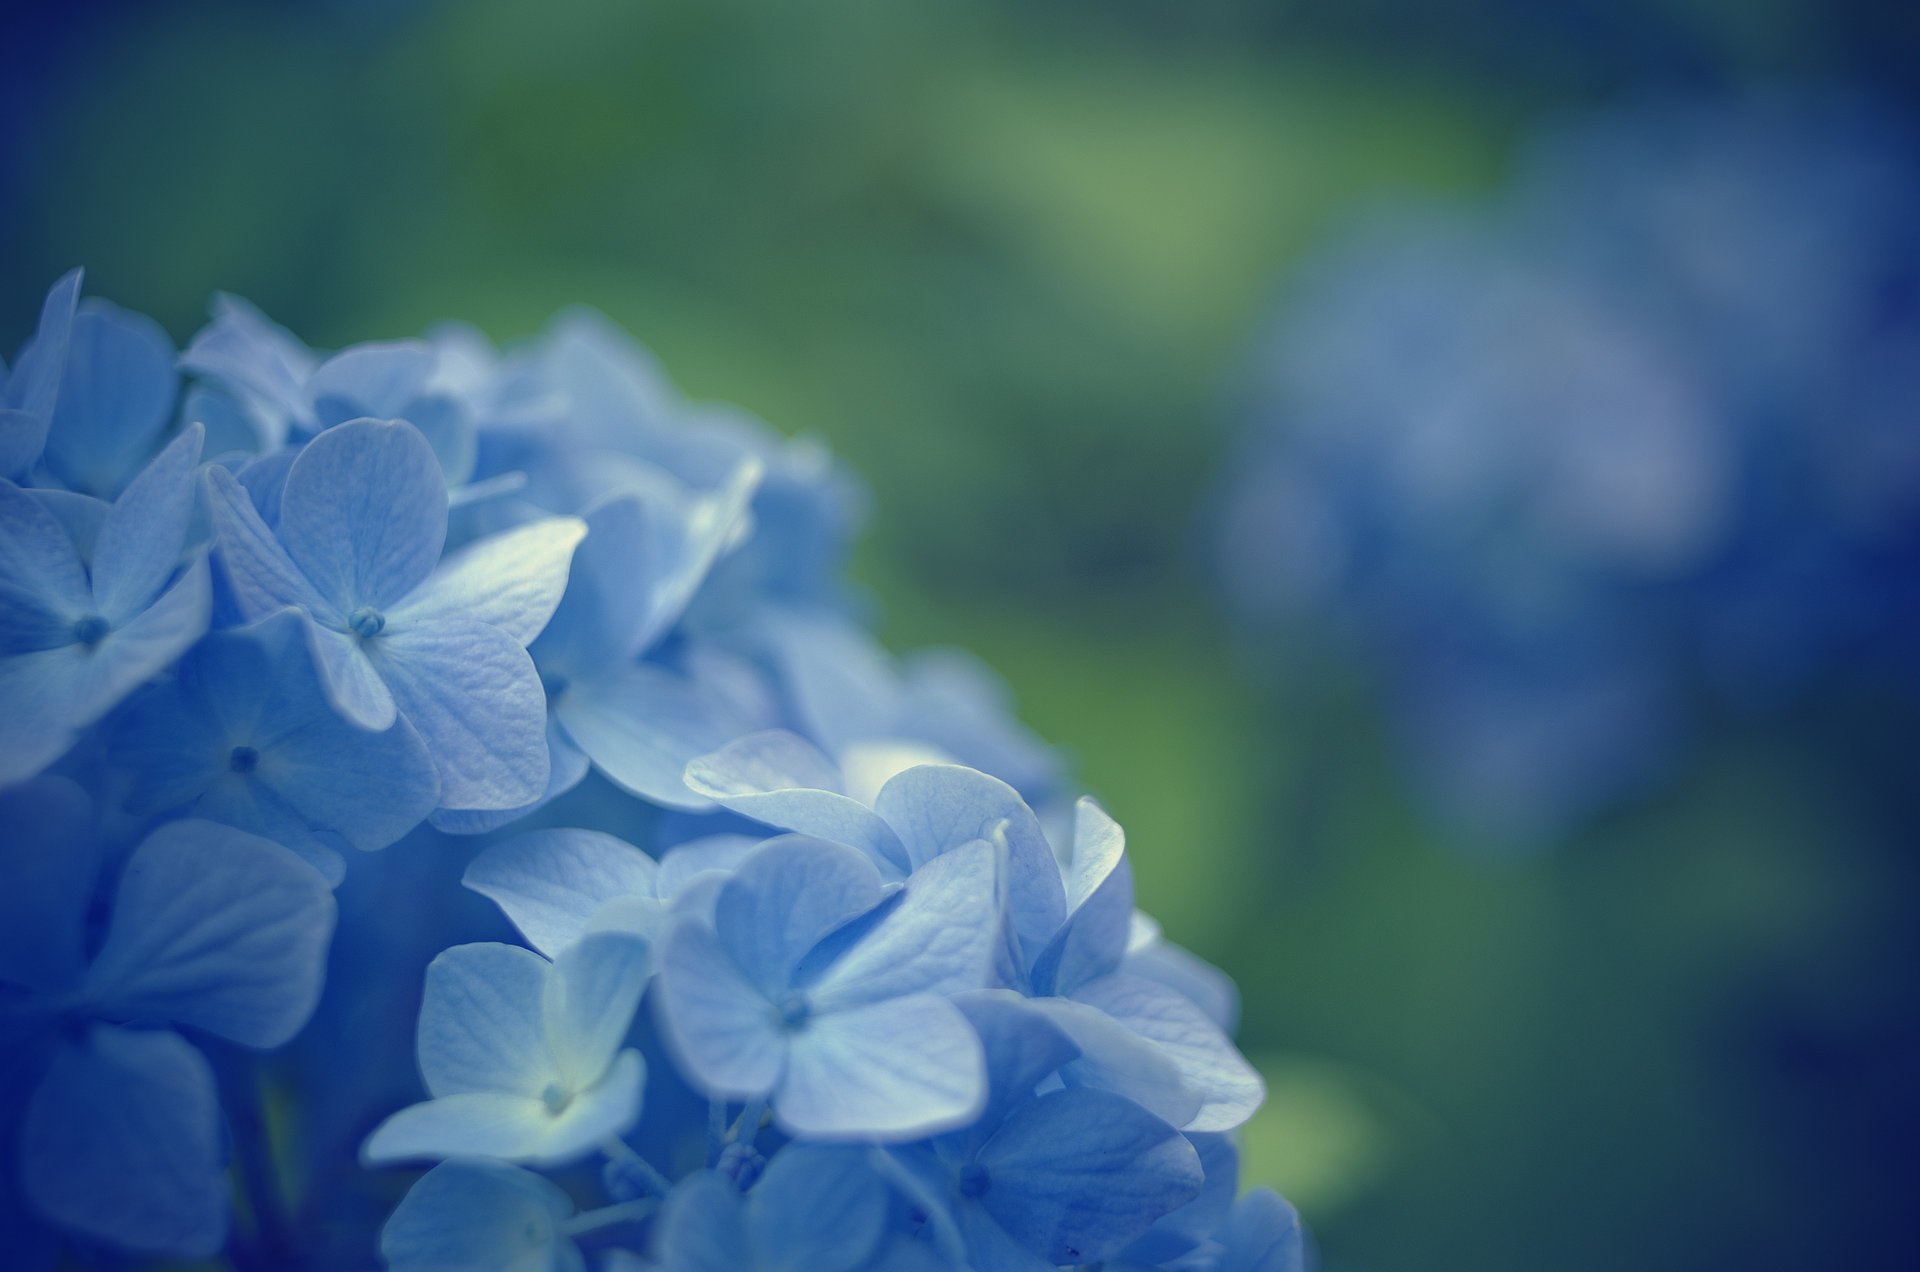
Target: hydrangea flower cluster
[(1630, 447), (428, 758)]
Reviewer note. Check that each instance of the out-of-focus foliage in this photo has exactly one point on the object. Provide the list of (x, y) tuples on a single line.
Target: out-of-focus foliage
[(1003, 256)]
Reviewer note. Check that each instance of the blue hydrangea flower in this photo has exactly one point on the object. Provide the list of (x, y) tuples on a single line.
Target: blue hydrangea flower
[(1614, 456), (362, 522), (244, 734), (523, 1057), (83, 621), (535, 625)]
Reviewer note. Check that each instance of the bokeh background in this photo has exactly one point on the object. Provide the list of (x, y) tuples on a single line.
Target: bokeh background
[(1009, 260)]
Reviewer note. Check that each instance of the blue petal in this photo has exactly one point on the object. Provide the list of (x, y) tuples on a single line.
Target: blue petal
[(481, 1027), (940, 938), (643, 725), (28, 396), (817, 1208), (121, 1143), (379, 378), (781, 779), (48, 695), (260, 575), (1229, 1088), (517, 1128), (256, 360), (549, 882), (141, 539), (724, 1033), (364, 514), (50, 861), (783, 899), (893, 1070), (512, 580), (591, 994), (1192, 977), (348, 678), (1079, 1173), (472, 693), (115, 398), (248, 805), (217, 929), (701, 1228), (1263, 1234), (938, 807), (1022, 1047), (1115, 1058), (1094, 938), (43, 587), (480, 1217)]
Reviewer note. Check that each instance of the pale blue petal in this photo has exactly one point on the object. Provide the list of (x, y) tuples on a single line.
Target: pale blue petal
[(247, 353), (141, 539), (642, 725), (701, 1227), (29, 393), (368, 788), (1115, 1058), (376, 379), (900, 1069), (232, 430), (148, 642), (781, 779), (783, 899), (1079, 1173), (348, 678), (364, 514), (247, 805), (50, 860), (480, 1217), (991, 1246), (567, 767), (1022, 1047), (724, 1033), (1263, 1234), (1229, 1087), (218, 929), (1094, 939), (591, 995), (940, 938), (260, 575), (1206, 986), (39, 693), (816, 1208), (121, 1143), (708, 856), (43, 587), (935, 808), (115, 397), (481, 1028), (548, 882), (512, 580), (1098, 846), (472, 693), (515, 1128), (81, 516)]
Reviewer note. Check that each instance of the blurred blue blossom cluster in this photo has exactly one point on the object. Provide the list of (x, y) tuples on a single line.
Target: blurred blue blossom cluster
[(772, 952), (1627, 449)]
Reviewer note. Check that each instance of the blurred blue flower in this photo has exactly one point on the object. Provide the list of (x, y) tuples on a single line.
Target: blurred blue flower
[(1615, 454)]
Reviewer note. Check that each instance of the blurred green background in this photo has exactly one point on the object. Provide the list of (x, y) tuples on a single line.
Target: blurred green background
[(1007, 259)]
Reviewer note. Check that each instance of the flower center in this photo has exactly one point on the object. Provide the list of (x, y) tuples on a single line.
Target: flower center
[(556, 1098), (366, 622), (244, 759), (794, 1010), (974, 1180), (90, 631)]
